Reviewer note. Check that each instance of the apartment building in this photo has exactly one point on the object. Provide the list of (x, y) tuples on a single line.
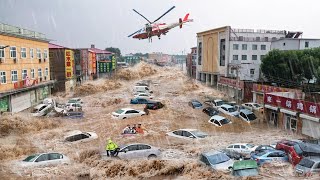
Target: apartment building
[(24, 68), (230, 52)]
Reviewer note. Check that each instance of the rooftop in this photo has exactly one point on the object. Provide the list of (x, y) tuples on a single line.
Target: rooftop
[(21, 32), (55, 46)]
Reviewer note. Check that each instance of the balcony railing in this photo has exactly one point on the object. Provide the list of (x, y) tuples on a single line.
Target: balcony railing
[(252, 39), (258, 31), (5, 28)]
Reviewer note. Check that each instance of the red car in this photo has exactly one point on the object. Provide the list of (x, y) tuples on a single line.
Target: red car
[(293, 150)]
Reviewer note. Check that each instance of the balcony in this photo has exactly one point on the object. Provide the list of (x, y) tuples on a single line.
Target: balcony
[(5, 28), (262, 31)]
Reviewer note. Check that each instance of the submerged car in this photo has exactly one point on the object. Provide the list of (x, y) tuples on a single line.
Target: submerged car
[(188, 134), (216, 160), (73, 107), (135, 151), (219, 121), (247, 115), (41, 110), (308, 166), (269, 157), (154, 105), (195, 104), (243, 148), (45, 159), (229, 110), (215, 103), (78, 136), (210, 111), (253, 106), (140, 101), (245, 168), (262, 148), (75, 100), (125, 113), (144, 95), (234, 154)]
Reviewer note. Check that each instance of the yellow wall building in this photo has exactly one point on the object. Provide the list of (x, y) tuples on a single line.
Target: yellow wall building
[(24, 68)]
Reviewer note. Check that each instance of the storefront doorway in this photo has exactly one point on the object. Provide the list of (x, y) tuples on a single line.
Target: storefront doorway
[(273, 118), (290, 122)]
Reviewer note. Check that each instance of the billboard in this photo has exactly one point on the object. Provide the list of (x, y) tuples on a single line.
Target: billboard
[(69, 59)]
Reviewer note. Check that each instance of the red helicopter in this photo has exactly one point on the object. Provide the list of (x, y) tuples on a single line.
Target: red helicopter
[(157, 29)]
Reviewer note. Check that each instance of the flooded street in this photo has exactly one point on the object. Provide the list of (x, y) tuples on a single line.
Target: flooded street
[(24, 134)]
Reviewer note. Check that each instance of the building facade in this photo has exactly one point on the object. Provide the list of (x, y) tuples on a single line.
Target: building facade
[(62, 68), (191, 63), (24, 68), (104, 65), (233, 52), (132, 59), (295, 44)]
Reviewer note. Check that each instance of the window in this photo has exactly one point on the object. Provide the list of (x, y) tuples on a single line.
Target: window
[(24, 73), (32, 73), (243, 147), (23, 52), (3, 77), (14, 76), (46, 73), (43, 157), (39, 73), (306, 44), (244, 57), (132, 148), (186, 134), (231, 146), (263, 47), (237, 146), (31, 53), (235, 46), (257, 38), (266, 39), (274, 38), (235, 57), (199, 53), (252, 71), (13, 52), (244, 46), (179, 133), (254, 47), (38, 53), (284, 44), (2, 51), (261, 57), (45, 54), (254, 57), (143, 147)]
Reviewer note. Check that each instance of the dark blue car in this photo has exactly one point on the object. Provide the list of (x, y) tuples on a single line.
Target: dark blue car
[(140, 101), (269, 156), (195, 104)]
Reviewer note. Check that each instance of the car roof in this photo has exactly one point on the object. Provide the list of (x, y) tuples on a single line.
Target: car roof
[(210, 153), (239, 144), (125, 145), (187, 130), (216, 100), (126, 109), (217, 117), (313, 158), (72, 133), (226, 106), (246, 111), (245, 164), (40, 105)]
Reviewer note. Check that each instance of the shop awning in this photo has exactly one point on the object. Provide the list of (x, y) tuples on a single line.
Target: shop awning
[(310, 118), (288, 112), (271, 107)]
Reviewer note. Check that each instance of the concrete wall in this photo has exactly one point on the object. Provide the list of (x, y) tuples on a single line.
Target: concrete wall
[(27, 63), (295, 44)]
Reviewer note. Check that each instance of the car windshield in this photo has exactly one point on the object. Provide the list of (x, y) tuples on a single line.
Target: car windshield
[(297, 149), (250, 145), (224, 121), (262, 153), (199, 134), (219, 103), (31, 158), (119, 111), (196, 104), (246, 172), (305, 162), (218, 158), (251, 116), (256, 105), (232, 109)]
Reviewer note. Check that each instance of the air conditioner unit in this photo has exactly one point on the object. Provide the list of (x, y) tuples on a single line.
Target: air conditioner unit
[(15, 60)]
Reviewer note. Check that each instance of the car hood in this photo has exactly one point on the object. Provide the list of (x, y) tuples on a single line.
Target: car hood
[(301, 169), (224, 165), (236, 113)]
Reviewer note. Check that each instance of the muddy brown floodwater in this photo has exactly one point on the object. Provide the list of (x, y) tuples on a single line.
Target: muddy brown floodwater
[(22, 134)]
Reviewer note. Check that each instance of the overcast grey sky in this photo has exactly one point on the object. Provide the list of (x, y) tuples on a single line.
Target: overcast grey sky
[(105, 23)]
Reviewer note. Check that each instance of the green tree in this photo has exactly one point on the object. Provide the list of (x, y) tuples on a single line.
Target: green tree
[(114, 50)]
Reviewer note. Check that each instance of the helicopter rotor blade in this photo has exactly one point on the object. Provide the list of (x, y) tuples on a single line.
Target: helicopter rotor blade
[(163, 14), (134, 33), (142, 16)]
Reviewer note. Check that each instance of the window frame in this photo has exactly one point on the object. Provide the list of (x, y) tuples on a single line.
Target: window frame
[(233, 57), (22, 73), (45, 53), (265, 47), (24, 52), (235, 45), (46, 72), (39, 73), (38, 52), (12, 76), (3, 51), (255, 58), (256, 47), (32, 74), (244, 45), (306, 44), (1, 75), (10, 51), (31, 54), (251, 71), (244, 56)]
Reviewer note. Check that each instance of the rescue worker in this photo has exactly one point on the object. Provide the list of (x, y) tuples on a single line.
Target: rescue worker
[(140, 130), (112, 148)]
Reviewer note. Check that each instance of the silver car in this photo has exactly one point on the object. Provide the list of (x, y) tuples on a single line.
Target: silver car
[(308, 166), (44, 159), (134, 151), (216, 160), (188, 134)]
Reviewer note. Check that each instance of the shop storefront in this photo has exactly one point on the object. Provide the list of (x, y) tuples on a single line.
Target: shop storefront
[(310, 126)]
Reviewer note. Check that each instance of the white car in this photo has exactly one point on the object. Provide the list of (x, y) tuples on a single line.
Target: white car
[(243, 148), (78, 136), (219, 120), (143, 95), (75, 100), (247, 115), (216, 160), (229, 110), (73, 107), (215, 103), (188, 134), (136, 151), (44, 159), (253, 106), (41, 110), (125, 113)]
